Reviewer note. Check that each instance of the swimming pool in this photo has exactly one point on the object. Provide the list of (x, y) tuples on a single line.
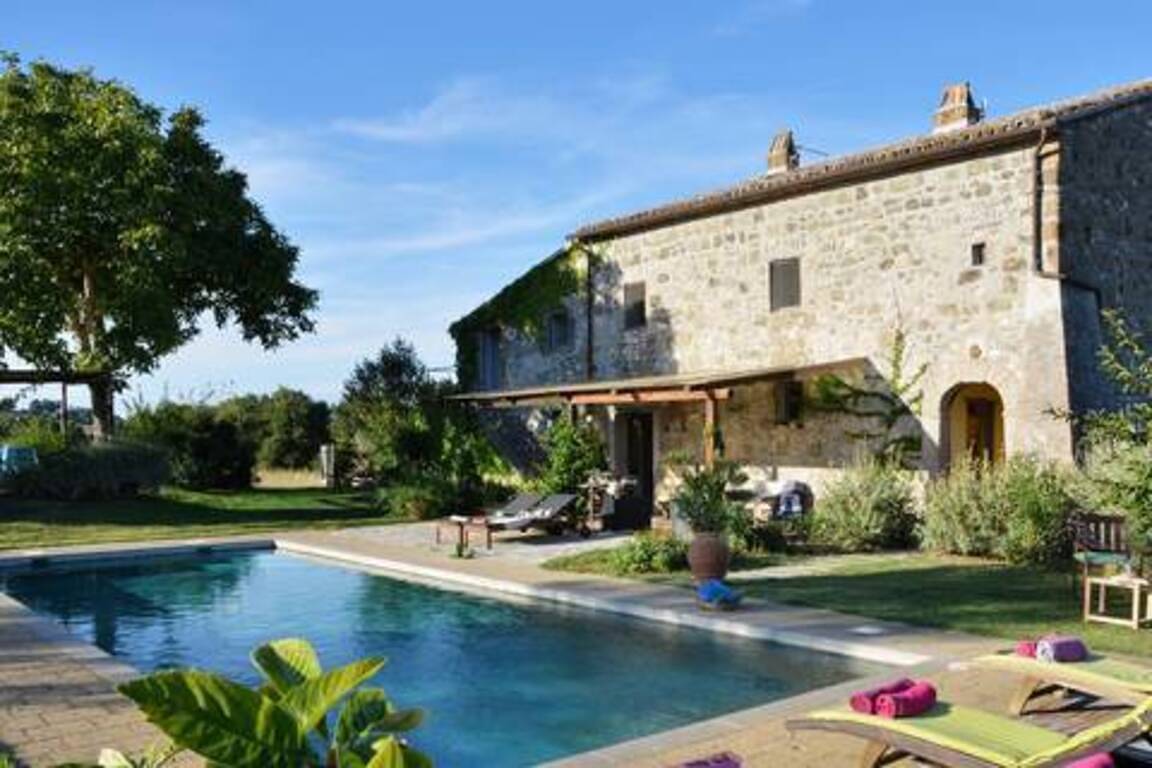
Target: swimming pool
[(505, 683)]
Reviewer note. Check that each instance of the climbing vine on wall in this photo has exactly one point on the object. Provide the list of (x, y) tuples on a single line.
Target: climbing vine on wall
[(524, 304), (882, 400)]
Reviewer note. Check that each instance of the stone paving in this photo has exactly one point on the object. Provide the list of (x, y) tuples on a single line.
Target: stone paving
[(57, 698)]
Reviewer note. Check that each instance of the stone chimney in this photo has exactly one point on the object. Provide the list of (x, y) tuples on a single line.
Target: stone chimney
[(783, 156), (957, 109)]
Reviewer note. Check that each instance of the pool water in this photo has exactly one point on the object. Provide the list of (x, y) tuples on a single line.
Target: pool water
[(504, 683)]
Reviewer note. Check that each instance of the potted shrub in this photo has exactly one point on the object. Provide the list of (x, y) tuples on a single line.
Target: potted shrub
[(702, 503)]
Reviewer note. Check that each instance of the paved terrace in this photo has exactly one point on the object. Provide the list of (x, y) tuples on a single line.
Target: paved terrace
[(57, 699)]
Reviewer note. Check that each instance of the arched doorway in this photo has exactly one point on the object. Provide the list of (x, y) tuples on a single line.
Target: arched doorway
[(972, 424)]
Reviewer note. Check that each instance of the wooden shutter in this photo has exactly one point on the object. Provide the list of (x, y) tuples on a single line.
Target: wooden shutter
[(784, 283)]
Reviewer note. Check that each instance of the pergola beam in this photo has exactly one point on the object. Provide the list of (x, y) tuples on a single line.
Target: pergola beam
[(650, 397)]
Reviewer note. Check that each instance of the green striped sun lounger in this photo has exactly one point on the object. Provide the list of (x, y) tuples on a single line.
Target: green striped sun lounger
[(1098, 675), (961, 737)]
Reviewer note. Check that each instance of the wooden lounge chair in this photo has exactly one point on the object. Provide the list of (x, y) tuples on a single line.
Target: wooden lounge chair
[(1097, 675), (960, 737), (549, 514)]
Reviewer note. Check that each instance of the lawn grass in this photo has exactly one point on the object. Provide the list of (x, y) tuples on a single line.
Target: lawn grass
[(180, 514), (970, 595), (602, 561), (965, 594)]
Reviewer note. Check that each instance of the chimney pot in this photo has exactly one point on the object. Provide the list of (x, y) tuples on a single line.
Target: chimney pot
[(783, 156), (957, 109)]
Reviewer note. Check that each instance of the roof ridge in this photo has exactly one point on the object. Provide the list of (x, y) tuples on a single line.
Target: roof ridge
[(1012, 127)]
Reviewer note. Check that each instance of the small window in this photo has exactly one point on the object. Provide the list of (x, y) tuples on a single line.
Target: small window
[(784, 283), (978, 254), (789, 397), (635, 306), (491, 364), (559, 331)]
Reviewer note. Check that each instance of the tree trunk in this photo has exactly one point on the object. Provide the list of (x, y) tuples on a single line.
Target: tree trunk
[(102, 414)]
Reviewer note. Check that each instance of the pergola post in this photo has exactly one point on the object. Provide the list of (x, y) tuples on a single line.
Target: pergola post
[(710, 430), (64, 408)]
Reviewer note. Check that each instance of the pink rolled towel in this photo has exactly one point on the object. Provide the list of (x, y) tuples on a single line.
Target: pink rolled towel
[(1101, 760), (1026, 648), (864, 702), (910, 702)]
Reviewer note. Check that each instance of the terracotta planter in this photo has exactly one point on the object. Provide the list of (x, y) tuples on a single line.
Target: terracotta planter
[(708, 556)]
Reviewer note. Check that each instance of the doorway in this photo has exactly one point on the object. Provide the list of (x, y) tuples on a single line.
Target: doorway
[(972, 427), (639, 455)]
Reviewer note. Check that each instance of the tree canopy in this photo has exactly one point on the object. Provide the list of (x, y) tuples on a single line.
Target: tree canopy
[(121, 229)]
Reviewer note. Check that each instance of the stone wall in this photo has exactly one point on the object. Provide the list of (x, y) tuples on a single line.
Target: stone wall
[(1105, 237), (895, 250)]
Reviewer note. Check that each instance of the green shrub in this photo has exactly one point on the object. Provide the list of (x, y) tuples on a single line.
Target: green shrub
[(204, 451), (423, 500), (574, 451), (1118, 479), (648, 552), (868, 507), (771, 535), (1017, 511), (101, 471), (39, 432)]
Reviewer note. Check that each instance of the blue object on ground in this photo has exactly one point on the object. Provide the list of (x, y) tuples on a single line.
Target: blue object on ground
[(16, 458), (716, 593)]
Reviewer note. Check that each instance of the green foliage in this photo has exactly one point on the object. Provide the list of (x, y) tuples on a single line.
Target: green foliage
[(1017, 511), (39, 432), (204, 450), (702, 502), (869, 506), (573, 451), (1118, 479), (887, 401), (287, 427), (424, 500), (769, 536), (648, 552), (121, 229), (287, 721), (523, 305), (111, 470)]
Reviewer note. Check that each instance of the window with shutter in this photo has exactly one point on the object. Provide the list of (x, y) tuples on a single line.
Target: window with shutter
[(784, 283), (635, 306)]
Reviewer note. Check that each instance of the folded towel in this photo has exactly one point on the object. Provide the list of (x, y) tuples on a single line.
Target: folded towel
[(864, 702), (1058, 648), (910, 702), (1101, 760), (713, 591), (1026, 648)]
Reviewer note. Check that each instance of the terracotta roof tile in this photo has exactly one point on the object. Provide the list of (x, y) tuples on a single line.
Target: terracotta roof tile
[(1005, 131)]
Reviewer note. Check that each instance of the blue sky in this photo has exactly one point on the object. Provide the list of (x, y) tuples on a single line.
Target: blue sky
[(423, 154)]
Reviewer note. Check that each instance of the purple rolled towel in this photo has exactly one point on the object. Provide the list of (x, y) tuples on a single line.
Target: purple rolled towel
[(1061, 648), (864, 702), (1100, 760), (910, 702)]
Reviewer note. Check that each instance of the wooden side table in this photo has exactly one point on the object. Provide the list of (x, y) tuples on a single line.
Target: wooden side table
[(1096, 592), (462, 527)]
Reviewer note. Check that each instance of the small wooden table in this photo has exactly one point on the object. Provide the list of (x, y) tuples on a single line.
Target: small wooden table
[(1136, 587), (461, 525)]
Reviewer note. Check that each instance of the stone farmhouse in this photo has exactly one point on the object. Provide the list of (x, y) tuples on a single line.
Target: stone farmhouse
[(705, 325)]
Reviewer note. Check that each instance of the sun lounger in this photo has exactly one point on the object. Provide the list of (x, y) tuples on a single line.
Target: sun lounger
[(1098, 675), (961, 737), (549, 514), (518, 505)]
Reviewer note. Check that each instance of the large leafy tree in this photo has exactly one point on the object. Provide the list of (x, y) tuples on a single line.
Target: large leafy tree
[(121, 229)]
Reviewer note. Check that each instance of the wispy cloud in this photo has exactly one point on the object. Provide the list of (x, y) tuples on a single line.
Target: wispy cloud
[(753, 14)]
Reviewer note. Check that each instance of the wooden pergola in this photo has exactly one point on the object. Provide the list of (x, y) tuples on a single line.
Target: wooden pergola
[(707, 388), (34, 377)]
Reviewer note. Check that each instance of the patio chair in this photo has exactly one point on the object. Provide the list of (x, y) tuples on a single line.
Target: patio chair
[(1098, 675), (960, 737), (518, 505)]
